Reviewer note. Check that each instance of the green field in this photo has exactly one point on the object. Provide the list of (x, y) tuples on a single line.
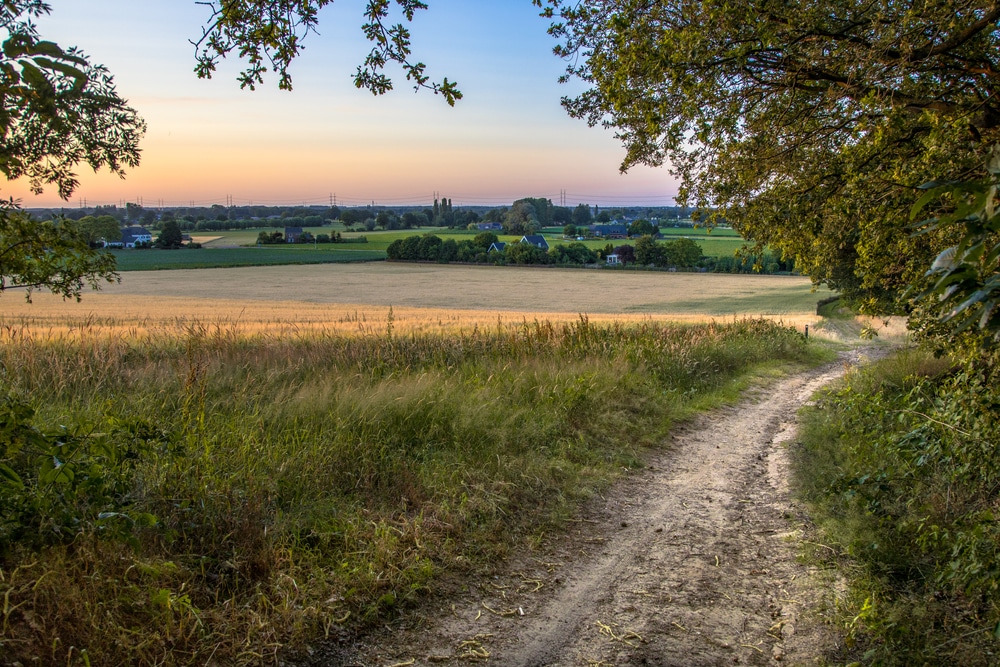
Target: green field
[(718, 243), (209, 257)]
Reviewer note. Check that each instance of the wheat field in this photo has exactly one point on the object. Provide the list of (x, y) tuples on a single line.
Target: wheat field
[(423, 298)]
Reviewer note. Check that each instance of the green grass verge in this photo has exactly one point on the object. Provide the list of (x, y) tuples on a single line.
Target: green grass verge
[(901, 466), (220, 496)]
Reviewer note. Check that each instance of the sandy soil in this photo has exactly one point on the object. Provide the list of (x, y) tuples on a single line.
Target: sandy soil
[(690, 562)]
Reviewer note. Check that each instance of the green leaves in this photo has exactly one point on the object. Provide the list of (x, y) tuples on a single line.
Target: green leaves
[(965, 277), (57, 109), (53, 485), (54, 255), (268, 35)]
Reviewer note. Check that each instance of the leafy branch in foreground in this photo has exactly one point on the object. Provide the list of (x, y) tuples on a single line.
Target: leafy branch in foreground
[(54, 254), (57, 109), (966, 276), (268, 34), (809, 125)]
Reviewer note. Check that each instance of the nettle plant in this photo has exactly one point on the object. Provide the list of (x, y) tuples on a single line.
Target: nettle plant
[(57, 485)]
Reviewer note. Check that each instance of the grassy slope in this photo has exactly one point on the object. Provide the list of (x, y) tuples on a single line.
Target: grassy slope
[(302, 482)]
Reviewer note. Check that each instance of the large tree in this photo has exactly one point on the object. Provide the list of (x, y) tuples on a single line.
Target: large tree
[(809, 125)]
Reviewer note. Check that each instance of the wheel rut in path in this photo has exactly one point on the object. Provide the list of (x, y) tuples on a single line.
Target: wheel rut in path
[(691, 562)]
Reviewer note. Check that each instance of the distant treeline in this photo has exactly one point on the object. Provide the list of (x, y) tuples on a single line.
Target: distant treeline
[(524, 216), (485, 248)]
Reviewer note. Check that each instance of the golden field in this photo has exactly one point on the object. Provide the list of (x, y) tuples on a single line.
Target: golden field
[(425, 298)]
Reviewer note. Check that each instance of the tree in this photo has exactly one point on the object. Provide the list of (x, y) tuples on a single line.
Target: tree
[(521, 219), (525, 253), (641, 228), (626, 254), (387, 219), (54, 255), (648, 252), (56, 111), (684, 253), (483, 240), (561, 215), (99, 229), (808, 125), (581, 215), (57, 108), (170, 235)]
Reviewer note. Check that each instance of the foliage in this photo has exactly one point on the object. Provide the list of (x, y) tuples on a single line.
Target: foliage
[(642, 228), (681, 253), (808, 125), (966, 276), (572, 253), (170, 237), (54, 255), (56, 486), (269, 33), (58, 109), (903, 466), (100, 229)]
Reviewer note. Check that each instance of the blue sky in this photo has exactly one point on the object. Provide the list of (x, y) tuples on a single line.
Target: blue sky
[(209, 140)]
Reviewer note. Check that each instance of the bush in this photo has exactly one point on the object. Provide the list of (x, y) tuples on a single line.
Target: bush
[(903, 466)]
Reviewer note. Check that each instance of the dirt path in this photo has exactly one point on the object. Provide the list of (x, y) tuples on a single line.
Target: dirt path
[(691, 562)]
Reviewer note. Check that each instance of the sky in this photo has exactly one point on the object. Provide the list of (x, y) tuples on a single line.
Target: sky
[(209, 142)]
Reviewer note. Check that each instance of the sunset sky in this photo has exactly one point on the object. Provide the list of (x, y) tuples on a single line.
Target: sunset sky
[(208, 140)]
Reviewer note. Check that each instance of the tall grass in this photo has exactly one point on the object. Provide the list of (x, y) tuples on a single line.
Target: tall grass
[(277, 487)]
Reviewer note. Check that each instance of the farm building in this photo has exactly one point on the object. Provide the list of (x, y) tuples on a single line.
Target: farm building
[(131, 237), (537, 241), (497, 247), (293, 234), (610, 231)]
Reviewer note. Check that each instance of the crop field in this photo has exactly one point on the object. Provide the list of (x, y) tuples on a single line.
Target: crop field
[(718, 243), (212, 257), (357, 297)]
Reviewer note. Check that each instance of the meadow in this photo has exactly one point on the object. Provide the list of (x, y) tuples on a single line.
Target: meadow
[(217, 257), (218, 465), (200, 493)]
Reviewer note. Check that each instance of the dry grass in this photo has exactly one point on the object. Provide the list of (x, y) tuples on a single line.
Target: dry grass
[(424, 298)]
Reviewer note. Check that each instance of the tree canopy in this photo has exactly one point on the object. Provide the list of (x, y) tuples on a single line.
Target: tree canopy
[(57, 109), (809, 126)]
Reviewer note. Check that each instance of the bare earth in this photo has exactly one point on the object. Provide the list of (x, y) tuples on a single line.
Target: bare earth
[(691, 562)]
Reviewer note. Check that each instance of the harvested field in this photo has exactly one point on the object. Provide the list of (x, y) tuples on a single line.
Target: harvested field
[(357, 297)]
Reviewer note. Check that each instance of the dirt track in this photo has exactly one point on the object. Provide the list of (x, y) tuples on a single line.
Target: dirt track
[(691, 562)]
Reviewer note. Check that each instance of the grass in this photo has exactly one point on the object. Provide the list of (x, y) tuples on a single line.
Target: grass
[(307, 481), (209, 257)]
